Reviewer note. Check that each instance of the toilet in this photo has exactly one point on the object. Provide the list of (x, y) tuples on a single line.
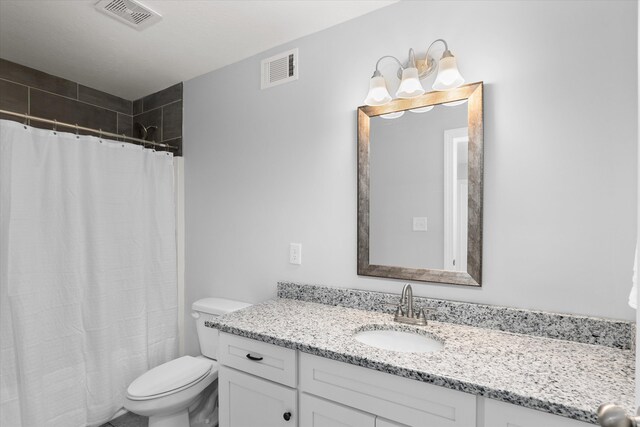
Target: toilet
[(167, 392)]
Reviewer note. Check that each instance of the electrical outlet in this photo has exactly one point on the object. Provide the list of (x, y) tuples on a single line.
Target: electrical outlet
[(419, 223), (295, 253)]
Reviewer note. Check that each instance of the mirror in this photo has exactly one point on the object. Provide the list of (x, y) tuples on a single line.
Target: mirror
[(420, 188)]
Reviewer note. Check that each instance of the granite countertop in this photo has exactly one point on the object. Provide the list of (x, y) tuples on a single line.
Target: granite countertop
[(560, 377)]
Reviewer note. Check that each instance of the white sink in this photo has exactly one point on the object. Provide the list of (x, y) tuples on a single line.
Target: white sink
[(404, 342)]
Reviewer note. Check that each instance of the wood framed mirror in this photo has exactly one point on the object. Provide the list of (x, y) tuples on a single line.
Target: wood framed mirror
[(420, 187)]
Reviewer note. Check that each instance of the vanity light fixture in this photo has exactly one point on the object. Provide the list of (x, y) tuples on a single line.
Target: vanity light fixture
[(448, 76)]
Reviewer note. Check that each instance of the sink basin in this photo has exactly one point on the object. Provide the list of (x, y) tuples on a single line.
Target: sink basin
[(404, 342)]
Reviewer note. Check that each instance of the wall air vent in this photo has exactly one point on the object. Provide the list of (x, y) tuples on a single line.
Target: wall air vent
[(131, 12), (281, 68)]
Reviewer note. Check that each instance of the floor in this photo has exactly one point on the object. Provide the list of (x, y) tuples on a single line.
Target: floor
[(128, 420)]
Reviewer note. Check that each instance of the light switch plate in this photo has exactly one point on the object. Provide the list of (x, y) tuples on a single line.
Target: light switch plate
[(419, 223), (295, 253)]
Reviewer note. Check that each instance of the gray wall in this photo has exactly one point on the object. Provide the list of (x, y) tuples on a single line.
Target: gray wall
[(407, 180), (265, 168)]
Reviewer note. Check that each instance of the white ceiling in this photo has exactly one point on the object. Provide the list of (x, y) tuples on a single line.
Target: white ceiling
[(71, 39)]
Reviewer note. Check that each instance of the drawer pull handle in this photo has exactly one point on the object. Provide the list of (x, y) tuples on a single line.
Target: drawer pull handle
[(250, 357), (286, 416)]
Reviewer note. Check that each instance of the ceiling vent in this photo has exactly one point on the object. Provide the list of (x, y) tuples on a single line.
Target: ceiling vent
[(131, 12), (279, 69)]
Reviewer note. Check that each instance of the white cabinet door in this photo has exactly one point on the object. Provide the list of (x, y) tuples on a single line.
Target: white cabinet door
[(317, 412), (248, 401), (500, 414)]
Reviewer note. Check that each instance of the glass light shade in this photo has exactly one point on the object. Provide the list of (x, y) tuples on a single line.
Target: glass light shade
[(454, 103), (422, 109), (410, 86), (378, 93), (392, 115), (448, 75)]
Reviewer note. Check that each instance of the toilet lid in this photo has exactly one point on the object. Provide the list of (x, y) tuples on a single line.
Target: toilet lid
[(170, 376)]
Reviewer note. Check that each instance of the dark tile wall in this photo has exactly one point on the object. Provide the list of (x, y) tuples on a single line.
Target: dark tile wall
[(162, 110), (26, 90)]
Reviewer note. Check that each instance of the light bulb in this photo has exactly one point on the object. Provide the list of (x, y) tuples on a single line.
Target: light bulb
[(448, 75), (378, 93), (410, 86)]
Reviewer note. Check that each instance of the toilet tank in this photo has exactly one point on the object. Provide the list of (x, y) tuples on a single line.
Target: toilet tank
[(205, 310)]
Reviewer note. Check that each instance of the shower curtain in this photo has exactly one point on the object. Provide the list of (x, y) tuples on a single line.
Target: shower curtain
[(88, 282)]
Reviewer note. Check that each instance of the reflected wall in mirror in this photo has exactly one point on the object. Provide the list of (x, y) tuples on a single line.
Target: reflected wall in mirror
[(420, 188)]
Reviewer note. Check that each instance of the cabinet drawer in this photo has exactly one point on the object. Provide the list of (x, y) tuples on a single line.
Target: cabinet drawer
[(405, 401), (258, 358)]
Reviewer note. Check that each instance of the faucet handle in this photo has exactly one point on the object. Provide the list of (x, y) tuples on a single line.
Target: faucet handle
[(428, 310)]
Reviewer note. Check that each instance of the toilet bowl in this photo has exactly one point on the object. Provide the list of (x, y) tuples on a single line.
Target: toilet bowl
[(167, 392)]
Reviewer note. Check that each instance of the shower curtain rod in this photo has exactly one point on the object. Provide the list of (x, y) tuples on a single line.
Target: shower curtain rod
[(77, 128)]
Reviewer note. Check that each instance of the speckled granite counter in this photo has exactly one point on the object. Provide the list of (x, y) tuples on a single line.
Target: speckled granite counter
[(560, 377)]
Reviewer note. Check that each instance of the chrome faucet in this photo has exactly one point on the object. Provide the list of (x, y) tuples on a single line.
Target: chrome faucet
[(407, 298), (409, 317)]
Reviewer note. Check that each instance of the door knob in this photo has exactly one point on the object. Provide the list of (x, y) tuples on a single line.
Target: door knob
[(286, 416), (610, 415)]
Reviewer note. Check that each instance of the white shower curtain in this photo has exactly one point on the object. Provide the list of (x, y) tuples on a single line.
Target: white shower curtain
[(88, 282)]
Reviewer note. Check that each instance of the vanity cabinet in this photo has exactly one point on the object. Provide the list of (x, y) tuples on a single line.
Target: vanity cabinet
[(266, 385)]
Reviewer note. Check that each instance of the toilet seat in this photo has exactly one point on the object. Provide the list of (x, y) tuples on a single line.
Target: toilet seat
[(171, 377)]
